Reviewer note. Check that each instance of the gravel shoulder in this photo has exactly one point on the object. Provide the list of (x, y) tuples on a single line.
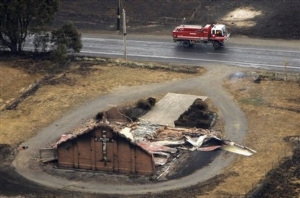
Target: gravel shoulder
[(235, 129)]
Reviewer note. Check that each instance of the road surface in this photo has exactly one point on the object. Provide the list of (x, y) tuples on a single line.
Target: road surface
[(237, 51)]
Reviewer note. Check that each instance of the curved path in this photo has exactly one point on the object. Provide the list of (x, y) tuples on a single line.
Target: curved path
[(209, 84)]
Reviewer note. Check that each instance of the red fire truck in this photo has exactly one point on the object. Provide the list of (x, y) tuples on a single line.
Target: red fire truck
[(188, 35)]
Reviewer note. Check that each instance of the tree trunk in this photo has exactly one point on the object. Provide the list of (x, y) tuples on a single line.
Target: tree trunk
[(20, 47), (14, 47)]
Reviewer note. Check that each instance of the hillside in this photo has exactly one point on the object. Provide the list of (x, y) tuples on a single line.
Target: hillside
[(268, 19)]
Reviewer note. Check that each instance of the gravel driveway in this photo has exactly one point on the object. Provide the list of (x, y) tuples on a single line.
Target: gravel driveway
[(210, 84)]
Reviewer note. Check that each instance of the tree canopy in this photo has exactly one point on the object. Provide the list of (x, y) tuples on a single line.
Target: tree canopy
[(68, 36), (18, 17), (65, 39)]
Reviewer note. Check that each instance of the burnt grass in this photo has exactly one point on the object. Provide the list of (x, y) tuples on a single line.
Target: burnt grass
[(283, 181), (279, 19), (12, 184)]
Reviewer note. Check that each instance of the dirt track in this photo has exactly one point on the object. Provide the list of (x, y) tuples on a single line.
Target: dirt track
[(235, 129)]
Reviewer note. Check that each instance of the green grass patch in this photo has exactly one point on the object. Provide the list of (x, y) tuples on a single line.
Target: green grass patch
[(258, 101)]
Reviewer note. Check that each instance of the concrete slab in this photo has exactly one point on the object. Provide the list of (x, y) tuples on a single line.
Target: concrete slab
[(169, 108)]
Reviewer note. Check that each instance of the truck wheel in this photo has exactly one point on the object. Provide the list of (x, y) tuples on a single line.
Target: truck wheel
[(216, 44), (186, 44)]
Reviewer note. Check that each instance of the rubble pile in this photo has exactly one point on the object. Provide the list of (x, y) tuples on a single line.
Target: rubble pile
[(197, 115), (128, 114)]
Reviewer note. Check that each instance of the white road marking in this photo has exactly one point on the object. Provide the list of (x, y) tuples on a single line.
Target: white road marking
[(217, 53), (245, 64), (170, 43), (262, 49), (137, 41)]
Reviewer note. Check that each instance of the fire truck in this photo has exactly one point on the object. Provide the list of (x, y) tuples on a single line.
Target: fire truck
[(189, 35)]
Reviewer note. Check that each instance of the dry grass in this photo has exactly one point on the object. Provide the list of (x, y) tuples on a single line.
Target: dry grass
[(52, 101), (12, 80), (269, 110)]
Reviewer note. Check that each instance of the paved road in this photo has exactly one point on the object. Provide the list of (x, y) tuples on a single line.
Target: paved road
[(237, 51)]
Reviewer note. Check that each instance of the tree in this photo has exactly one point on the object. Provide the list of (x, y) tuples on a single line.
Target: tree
[(65, 39), (40, 42), (67, 35), (59, 55), (19, 17)]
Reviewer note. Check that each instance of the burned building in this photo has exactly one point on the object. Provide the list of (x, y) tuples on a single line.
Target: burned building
[(102, 148), (142, 142)]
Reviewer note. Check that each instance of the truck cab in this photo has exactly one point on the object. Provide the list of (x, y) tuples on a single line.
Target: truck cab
[(218, 35), (219, 30)]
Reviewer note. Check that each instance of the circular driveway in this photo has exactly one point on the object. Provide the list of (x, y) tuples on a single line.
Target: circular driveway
[(210, 84)]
